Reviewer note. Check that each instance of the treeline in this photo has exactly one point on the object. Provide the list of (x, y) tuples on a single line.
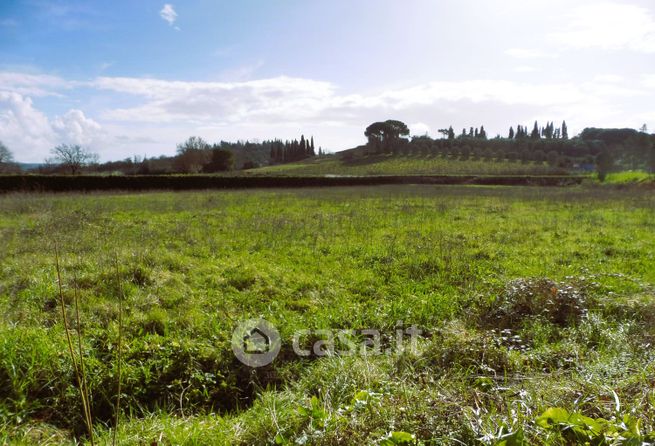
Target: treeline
[(601, 149), (291, 151), (194, 156)]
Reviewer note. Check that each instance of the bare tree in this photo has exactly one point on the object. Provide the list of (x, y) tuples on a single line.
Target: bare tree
[(73, 157), (6, 156), (6, 159)]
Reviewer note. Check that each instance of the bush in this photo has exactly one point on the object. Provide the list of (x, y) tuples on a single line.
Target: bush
[(525, 299)]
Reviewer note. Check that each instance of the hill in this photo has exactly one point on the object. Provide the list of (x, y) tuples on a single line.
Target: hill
[(346, 164)]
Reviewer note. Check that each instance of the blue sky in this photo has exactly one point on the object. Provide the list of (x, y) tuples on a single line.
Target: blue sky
[(137, 77)]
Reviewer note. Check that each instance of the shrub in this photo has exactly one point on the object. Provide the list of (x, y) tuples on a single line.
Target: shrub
[(525, 299)]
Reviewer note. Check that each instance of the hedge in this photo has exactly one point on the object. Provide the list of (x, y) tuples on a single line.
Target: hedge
[(68, 183)]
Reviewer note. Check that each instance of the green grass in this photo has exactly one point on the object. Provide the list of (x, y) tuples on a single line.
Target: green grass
[(629, 177), (446, 259), (405, 165)]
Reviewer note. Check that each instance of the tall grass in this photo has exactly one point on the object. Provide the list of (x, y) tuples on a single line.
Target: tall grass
[(78, 367), (119, 355)]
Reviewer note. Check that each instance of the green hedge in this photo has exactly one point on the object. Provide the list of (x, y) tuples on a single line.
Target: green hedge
[(67, 183)]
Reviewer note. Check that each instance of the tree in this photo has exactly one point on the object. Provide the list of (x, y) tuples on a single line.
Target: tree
[(451, 132), (604, 164), (565, 131), (221, 161), (511, 133), (192, 155), (387, 135), (535, 131), (6, 157), (483, 133), (552, 157), (72, 157)]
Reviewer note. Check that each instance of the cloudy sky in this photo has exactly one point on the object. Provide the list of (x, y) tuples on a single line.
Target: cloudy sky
[(127, 77)]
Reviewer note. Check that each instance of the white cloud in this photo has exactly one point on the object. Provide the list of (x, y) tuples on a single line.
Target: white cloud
[(30, 134), (525, 69), (609, 78), (33, 84), (609, 26), (649, 81), (285, 99), (75, 128), (419, 129), (168, 14), (24, 129), (228, 102), (529, 53)]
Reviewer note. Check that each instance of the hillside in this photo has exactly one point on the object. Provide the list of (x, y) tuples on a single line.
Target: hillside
[(405, 165)]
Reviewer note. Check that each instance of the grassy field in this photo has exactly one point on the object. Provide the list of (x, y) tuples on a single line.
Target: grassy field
[(536, 306), (405, 165)]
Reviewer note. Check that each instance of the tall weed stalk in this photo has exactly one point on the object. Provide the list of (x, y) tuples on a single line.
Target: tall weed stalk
[(80, 373)]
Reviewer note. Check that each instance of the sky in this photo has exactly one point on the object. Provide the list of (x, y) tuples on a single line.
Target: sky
[(135, 78)]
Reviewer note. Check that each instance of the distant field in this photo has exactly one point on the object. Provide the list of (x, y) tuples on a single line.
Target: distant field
[(405, 165), (529, 299), (629, 177)]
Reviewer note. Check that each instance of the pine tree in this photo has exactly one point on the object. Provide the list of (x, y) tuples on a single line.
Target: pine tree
[(535, 131), (311, 147), (565, 131), (451, 133), (511, 133), (483, 133)]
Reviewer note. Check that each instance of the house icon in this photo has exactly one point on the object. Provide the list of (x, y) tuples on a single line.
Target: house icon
[(256, 341)]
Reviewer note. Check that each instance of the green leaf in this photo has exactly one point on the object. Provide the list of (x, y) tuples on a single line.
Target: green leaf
[(552, 417), (398, 438)]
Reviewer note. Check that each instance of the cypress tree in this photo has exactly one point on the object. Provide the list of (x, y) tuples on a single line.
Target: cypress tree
[(565, 131), (511, 133), (535, 131)]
